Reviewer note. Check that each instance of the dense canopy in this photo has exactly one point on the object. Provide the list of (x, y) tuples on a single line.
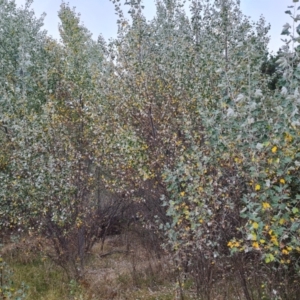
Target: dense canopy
[(187, 122)]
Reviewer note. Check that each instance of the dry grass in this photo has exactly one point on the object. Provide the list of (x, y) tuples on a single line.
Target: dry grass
[(118, 271), (122, 270)]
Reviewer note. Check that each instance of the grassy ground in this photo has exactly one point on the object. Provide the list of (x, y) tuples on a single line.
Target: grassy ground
[(111, 273)]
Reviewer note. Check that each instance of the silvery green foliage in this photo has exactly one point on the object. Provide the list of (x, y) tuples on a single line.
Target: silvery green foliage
[(236, 185), (175, 108), (21, 57), (22, 73), (189, 73), (149, 97), (227, 88), (49, 177)]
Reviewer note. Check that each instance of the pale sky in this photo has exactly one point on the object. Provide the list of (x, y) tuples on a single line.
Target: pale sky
[(99, 15)]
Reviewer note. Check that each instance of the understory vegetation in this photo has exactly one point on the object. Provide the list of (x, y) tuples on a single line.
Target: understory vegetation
[(163, 164)]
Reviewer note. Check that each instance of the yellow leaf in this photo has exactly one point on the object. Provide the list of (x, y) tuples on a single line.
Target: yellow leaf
[(274, 149), (238, 160), (257, 187), (266, 205), (282, 181), (255, 245), (182, 194), (255, 225), (274, 240)]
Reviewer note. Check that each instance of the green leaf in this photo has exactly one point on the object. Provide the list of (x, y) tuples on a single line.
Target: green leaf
[(294, 226), (269, 258), (285, 30)]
